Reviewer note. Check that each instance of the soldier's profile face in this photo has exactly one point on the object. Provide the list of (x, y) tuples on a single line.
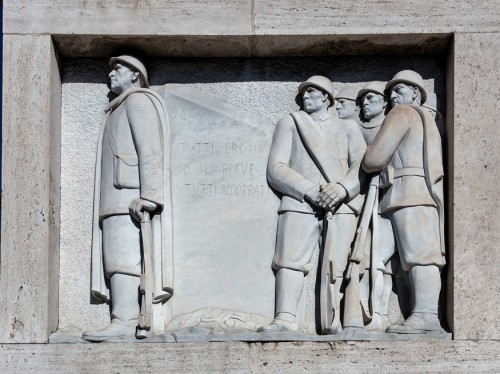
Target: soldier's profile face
[(313, 99), (373, 105), (401, 94), (120, 78), (346, 108)]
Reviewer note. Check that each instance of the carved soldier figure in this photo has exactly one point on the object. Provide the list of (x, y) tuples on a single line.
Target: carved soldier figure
[(381, 241), (374, 104), (314, 162), (132, 183), (431, 105), (407, 151), (347, 105)]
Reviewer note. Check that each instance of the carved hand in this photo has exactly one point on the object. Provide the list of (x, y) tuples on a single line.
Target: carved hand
[(313, 195), (138, 206), (331, 194)]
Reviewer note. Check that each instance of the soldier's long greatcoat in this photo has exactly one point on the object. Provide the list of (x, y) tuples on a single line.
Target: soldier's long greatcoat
[(410, 144), (133, 161), (293, 171)]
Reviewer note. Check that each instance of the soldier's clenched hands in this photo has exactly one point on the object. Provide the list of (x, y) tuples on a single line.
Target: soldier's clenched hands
[(313, 195), (330, 195), (138, 206)]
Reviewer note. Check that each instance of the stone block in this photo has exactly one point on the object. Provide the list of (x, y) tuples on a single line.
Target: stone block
[(323, 17), (474, 184), (30, 189), (241, 357), (123, 17)]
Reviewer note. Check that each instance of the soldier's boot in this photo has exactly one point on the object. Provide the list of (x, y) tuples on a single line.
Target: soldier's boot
[(379, 322), (289, 285), (125, 309), (281, 322), (426, 284)]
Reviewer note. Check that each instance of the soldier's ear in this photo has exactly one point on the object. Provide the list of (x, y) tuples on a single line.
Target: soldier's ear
[(415, 92), (135, 76)]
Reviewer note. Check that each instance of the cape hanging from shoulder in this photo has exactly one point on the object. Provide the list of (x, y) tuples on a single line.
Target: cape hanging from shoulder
[(433, 168), (163, 277)]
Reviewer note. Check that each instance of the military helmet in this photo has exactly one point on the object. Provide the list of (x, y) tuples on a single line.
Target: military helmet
[(348, 92), (409, 77), (320, 82), (134, 63), (375, 86)]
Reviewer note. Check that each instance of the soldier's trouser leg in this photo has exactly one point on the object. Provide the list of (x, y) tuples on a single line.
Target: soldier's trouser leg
[(380, 303), (383, 283), (386, 295), (297, 237), (122, 261), (125, 309), (121, 246), (417, 233), (426, 284), (289, 286), (344, 226), (124, 296)]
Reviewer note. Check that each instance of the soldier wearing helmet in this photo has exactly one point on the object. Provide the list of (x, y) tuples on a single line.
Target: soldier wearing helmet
[(407, 153), (314, 163), (132, 177), (347, 104), (376, 286)]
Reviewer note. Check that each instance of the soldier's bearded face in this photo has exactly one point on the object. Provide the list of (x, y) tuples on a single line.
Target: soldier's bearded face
[(121, 78), (313, 99), (346, 108), (401, 94), (373, 105)]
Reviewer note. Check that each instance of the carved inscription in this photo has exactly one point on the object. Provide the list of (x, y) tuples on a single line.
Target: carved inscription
[(227, 169)]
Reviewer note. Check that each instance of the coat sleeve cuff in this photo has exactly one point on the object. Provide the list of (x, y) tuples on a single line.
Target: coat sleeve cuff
[(351, 187)]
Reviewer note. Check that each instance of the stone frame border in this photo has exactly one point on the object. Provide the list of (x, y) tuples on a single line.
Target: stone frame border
[(31, 158)]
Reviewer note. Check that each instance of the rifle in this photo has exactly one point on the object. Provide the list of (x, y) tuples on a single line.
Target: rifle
[(146, 285), (352, 309), (357, 256), (328, 303)]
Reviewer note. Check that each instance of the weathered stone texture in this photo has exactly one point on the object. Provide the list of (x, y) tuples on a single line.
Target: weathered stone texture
[(31, 165), (30, 188), (244, 17), (125, 17), (284, 17), (476, 222), (328, 357)]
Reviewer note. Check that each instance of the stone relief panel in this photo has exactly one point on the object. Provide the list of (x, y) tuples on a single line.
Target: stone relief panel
[(228, 222)]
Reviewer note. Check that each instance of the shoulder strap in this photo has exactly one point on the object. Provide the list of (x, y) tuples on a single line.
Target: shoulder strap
[(320, 151)]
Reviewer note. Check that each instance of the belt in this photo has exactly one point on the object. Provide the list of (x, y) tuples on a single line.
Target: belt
[(405, 172), (388, 175)]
